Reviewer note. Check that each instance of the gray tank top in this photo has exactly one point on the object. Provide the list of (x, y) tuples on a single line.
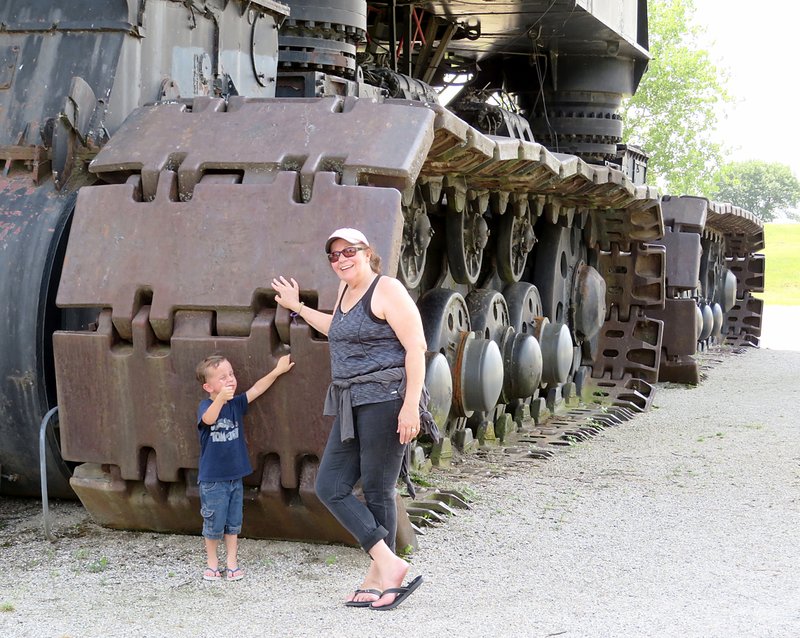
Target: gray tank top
[(361, 343)]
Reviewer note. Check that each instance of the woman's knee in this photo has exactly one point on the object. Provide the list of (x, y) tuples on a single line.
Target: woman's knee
[(330, 488), (324, 488), (379, 492)]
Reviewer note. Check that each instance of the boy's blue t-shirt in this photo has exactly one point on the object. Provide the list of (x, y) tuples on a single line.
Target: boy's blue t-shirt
[(223, 451)]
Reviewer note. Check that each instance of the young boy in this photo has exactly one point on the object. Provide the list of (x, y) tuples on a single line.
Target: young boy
[(223, 457)]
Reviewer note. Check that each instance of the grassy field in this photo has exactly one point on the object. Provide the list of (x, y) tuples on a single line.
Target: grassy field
[(782, 252)]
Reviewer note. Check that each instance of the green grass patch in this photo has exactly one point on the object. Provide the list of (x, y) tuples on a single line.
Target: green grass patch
[(782, 253), (98, 565)]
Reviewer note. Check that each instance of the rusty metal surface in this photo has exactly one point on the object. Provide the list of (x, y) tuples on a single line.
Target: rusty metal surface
[(209, 198), (182, 277), (743, 235), (32, 225), (218, 250), (683, 260), (624, 211), (634, 279), (737, 222), (628, 393), (628, 348), (359, 139), (743, 322), (142, 395), (679, 336), (749, 271), (269, 510), (685, 214), (678, 340)]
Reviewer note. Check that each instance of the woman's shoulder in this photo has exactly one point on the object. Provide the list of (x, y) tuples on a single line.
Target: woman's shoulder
[(388, 289), (390, 294), (390, 285)]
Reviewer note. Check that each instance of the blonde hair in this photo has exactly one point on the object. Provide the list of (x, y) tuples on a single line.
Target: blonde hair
[(212, 361), (374, 260)]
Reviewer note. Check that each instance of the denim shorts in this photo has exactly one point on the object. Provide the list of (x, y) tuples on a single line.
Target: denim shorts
[(221, 508)]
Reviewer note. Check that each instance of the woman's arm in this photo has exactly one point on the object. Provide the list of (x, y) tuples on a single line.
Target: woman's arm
[(289, 297), (392, 302)]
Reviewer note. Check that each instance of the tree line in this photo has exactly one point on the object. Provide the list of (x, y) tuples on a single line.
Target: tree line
[(674, 115)]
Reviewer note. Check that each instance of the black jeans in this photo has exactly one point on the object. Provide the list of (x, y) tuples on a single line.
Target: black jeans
[(374, 456)]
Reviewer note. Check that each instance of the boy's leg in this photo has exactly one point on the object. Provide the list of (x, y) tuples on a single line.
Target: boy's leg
[(233, 527), (213, 508), (231, 551), (212, 559)]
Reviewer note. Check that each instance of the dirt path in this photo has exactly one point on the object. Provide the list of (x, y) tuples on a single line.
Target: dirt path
[(682, 522)]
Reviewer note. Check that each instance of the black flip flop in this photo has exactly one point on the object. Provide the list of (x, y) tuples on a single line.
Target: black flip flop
[(363, 603), (402, 593)]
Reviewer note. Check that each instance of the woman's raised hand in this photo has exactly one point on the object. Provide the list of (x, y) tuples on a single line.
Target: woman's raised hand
[(288, 293)]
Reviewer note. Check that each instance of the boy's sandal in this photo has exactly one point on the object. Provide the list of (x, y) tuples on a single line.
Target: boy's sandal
[(211, 574), (235, 574)]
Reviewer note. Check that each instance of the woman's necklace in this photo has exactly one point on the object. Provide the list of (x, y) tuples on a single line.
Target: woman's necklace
[(342, 311)]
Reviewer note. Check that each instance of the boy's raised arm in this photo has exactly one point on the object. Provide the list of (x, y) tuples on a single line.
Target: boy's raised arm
[(260, 387), (211, 414)]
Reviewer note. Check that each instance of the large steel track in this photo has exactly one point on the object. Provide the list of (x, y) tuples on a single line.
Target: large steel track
[(537, 276), (713, 269)]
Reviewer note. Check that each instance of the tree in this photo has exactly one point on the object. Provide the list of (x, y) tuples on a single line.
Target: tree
[(763, 188), (674, 113)]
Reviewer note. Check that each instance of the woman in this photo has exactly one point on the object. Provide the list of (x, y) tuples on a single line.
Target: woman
[(377, 348)]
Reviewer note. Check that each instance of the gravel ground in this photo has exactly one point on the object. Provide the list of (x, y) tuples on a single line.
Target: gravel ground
[(682, 522)]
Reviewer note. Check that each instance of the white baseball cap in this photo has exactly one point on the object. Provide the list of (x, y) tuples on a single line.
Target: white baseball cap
[(348, 234)]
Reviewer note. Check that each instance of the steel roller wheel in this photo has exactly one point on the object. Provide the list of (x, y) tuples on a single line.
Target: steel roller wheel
[(708, 321), (521, 354), (439, 382), (698, 321), (488, 314), (478, 376), (588, 302), (522, 365), (557, 351), (467, 236), (718, 319), (515, 240), (445, 320), (524, 306), (525, 311), (475, 362), (728, 291), (559, 252), (417, 233)]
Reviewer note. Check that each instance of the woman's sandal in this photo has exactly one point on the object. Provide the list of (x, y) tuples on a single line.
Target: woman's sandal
[(211, 574), (363, 603), (402, 593)]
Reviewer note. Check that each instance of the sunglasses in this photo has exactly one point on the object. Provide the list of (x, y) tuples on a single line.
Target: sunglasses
[(347, 251)]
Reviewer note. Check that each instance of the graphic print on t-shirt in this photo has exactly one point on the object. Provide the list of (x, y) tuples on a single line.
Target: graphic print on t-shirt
[(224, 430)]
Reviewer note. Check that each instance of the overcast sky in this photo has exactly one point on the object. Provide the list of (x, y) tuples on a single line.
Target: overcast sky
[(759, 43)]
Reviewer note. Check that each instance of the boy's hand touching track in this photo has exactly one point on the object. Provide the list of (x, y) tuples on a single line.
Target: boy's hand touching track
[(284, 364)]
